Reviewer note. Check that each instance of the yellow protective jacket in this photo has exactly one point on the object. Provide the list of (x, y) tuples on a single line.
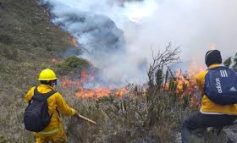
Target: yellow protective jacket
[(56, 104), (208, 106)]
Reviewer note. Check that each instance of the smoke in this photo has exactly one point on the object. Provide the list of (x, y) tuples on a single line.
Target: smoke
[(118, 37)]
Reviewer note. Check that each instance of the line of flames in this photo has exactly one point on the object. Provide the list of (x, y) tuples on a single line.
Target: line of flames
[(185, 86), (95, 93)]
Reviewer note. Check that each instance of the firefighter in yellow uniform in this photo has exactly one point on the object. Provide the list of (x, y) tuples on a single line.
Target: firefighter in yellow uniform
[(210, 113), (54, 132)]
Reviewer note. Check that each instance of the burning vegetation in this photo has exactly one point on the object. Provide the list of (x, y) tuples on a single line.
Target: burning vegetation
[(82, 78), (148, 114), (177, 82), (154, 110), (92, 93)]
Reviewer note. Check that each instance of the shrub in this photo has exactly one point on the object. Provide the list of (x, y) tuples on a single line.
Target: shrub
[(227, 62), (72, 64), (126, 119)]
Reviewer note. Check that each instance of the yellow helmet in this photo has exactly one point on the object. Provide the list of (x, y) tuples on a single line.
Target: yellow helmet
[(47, 75)]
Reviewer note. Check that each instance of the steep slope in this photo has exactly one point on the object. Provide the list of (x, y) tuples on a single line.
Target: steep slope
[(28, 43)]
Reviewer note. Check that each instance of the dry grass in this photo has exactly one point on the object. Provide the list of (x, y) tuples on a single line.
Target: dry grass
[(126, 119), (28, 43)]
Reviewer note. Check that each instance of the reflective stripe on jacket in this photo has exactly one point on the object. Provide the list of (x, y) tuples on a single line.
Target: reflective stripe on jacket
[(207, 106), (55, 103)]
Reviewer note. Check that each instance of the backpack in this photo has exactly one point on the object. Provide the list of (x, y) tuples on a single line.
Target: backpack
[(36, 116), (221, 85)]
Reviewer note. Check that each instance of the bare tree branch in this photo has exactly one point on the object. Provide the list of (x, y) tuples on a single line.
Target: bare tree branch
[(162, 59), (155, 76)]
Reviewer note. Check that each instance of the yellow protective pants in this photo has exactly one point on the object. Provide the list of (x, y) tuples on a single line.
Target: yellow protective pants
[(58, 137)]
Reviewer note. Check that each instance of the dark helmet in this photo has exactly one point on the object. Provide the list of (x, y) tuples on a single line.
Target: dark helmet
[(213, 57)]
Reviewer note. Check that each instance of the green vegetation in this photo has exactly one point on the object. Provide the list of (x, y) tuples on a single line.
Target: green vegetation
[(72, 65)]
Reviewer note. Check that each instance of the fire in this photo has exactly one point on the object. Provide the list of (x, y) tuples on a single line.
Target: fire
[(186, 89), (96, 93), (92, 93), (85, 76), (181, 82), (67, 83), (184, 84), (120, 92)]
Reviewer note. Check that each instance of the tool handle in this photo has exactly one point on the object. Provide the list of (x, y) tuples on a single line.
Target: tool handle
[(85, 118)]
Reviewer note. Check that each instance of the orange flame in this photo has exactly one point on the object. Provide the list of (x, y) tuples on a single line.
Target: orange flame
[(96, 93), (67, 83), (93, 93), (121, 92), (186, 84)]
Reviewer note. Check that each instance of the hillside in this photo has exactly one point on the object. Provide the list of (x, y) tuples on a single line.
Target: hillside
[(28, 43), (27, 39)]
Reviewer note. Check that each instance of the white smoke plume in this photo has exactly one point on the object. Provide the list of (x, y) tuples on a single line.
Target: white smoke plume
[(117, 35)]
